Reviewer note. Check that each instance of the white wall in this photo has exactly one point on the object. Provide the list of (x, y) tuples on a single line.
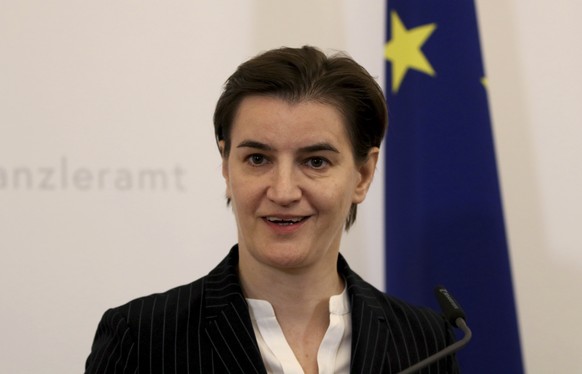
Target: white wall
[(532, 57), (92, 96), (102, 93)]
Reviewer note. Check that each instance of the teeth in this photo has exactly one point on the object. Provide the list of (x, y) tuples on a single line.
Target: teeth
[(284, 221)]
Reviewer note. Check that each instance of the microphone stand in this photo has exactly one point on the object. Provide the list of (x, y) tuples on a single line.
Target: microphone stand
[(456, 316), (445, 352)]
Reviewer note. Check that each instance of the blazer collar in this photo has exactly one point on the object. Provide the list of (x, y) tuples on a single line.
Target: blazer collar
[(370, 332), (230, 331), (228, 324)]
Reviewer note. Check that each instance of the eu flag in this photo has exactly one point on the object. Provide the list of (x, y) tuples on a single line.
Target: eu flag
[(444, 218)]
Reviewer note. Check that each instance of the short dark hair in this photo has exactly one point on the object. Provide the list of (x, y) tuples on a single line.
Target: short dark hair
[(307, 74)]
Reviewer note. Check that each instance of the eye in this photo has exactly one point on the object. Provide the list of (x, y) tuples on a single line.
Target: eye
[(317, 163), (256, 159)]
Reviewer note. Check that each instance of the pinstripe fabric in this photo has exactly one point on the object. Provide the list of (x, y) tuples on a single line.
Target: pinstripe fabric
[(204, 327)]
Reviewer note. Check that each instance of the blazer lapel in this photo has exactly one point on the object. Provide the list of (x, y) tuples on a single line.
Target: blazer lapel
[(370, 333), (230, 333), (228, 324)]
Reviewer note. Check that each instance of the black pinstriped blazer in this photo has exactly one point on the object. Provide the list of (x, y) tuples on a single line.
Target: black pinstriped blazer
[(204, 327)]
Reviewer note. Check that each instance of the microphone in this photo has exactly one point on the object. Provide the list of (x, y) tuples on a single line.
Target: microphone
[(455, 315)]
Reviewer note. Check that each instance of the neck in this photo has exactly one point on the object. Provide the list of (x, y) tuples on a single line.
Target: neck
[(300, 293), (300, 299)]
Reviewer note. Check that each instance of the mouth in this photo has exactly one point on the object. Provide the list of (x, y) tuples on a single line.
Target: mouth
[(285, 221)]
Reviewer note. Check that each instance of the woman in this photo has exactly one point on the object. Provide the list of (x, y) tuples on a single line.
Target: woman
[(299, 135)]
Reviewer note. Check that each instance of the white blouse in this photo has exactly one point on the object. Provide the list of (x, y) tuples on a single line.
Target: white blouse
[(334, 352)]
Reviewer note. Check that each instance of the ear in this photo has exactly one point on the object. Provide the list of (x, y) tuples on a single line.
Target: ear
[(224, 167), (366, 174)]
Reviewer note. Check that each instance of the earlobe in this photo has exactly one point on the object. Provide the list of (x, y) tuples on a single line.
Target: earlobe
[(366, 173), (227, 193), (224, 166), (221, 145), (225, 169)]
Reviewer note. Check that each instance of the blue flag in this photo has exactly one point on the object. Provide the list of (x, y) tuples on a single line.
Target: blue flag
[(444, 218)]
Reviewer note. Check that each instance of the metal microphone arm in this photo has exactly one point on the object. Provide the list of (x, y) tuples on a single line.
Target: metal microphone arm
[(445, 352), (455, 315)]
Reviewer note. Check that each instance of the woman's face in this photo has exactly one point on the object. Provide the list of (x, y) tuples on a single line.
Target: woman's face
[(292, 178)]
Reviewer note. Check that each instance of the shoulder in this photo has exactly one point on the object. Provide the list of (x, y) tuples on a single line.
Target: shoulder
[(403, 319), (148, 330), (418, 320), (176, 300), (152, 321), (183, 298), (153, 315), (184, 301), (405, 333), (398, 311)]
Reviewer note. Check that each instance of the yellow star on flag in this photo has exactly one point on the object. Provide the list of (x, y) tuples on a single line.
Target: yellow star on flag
[(403, 50)]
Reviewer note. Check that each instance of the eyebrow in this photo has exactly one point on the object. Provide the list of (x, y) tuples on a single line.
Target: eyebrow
[(254, 144), (317, 147)]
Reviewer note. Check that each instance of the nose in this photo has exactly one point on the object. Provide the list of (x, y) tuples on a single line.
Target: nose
[(284, 186)]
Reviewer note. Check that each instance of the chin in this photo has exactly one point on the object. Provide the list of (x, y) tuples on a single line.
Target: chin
[(285, 256)]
